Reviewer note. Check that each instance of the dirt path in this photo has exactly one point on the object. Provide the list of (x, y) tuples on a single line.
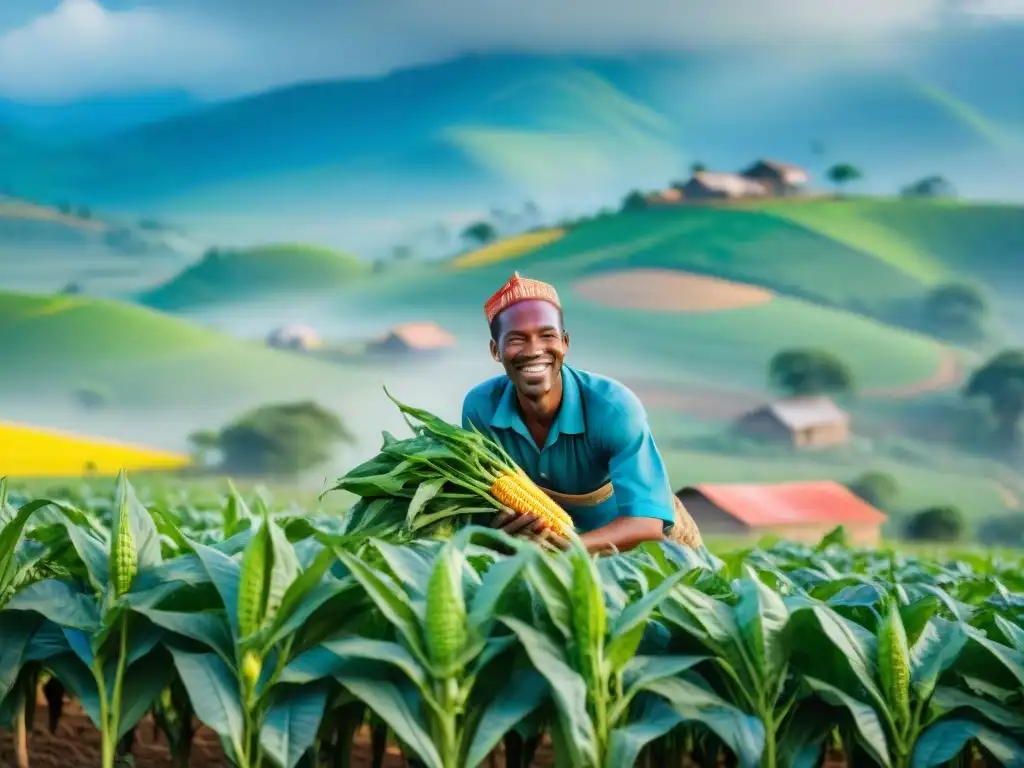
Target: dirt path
[(949, 374), (669, 290)]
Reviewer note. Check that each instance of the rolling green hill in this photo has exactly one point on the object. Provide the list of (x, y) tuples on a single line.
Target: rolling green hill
[(55, 345), (877, 257), (815, 281), (280, 270)]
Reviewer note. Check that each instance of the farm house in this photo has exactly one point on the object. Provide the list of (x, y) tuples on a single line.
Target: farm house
[(785, 179), (722, 186), (413, 338), (803, 422), (799, 511)]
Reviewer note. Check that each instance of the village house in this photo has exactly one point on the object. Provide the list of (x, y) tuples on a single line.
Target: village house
[(802, 422), (783, 179), (798, 511), (294, 336), (413, 338), (705, 185)]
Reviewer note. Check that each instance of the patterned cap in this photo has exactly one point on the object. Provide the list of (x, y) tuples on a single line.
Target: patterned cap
[(519, 289)]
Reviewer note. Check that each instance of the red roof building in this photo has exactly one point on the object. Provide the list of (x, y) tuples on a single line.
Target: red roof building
[(800, 511)]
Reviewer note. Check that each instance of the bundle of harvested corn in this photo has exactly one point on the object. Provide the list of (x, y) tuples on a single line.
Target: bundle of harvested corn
[(441, 474)]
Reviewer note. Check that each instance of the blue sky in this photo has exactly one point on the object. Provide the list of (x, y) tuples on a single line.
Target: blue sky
[(58, 50)]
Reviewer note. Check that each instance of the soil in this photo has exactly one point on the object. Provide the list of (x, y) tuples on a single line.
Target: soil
[(76, 744), (668, 290)]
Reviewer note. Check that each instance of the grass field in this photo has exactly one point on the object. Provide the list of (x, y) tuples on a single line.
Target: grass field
[(54, 345), (254, 272)]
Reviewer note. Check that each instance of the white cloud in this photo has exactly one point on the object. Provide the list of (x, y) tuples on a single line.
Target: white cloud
[(995, 9), (667, 24), (82, 48)]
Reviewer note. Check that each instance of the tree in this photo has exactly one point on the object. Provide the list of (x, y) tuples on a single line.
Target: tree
[(879, 489), (957, 310), (281, 439), (401, 253), (842, 174), (205, 444), (810, 372), (92, 398), (941, 523), (634, 201), (698, 167), (1001, 382), (930, 187), (481, 232)]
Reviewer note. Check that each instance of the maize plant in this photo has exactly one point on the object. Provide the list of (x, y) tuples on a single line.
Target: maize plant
[(291, 636)]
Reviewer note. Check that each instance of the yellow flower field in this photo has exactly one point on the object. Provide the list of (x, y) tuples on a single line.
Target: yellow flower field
[(27, 451), (509, 248)]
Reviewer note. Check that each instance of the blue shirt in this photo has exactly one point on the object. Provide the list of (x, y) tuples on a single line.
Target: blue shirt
[(600, 434)]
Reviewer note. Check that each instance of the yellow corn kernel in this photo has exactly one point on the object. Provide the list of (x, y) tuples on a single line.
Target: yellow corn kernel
[(522, 496)]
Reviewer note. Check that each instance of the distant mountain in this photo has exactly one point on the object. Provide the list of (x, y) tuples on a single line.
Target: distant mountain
[(317, 160), (94, 117)]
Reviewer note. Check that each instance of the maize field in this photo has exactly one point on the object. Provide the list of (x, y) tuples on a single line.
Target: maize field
[(290, 641)]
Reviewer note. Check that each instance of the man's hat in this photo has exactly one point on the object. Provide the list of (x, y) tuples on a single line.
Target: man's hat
[(519, 289)]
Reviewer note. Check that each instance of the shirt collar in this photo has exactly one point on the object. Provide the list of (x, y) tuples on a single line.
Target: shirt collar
[(569, 420)]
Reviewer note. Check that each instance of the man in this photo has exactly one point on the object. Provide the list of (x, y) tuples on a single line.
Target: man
[(583, 438)]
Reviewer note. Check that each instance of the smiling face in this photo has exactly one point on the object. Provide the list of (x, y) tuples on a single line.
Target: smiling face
[(531, 344)]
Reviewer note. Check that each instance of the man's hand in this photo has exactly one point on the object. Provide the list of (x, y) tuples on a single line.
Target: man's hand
[(528, 526), (513, 523)]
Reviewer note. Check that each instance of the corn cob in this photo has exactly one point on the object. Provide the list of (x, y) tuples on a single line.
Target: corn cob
[(518, 493), (894, 662), (252, 586), (588, 616), (123, 561), (479, 464), (445, 613)]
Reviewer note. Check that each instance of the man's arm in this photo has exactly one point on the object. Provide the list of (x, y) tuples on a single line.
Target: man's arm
[(638, 475)]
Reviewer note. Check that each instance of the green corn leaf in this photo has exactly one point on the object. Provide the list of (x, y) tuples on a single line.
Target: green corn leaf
[(568, 690), (945, 740), (870, 733), (524, 693), (213, 691), (291, 725), (762, 618)]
